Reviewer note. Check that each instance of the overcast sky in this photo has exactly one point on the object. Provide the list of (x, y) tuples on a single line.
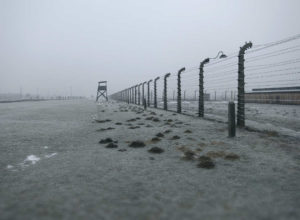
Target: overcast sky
[(53, 45)]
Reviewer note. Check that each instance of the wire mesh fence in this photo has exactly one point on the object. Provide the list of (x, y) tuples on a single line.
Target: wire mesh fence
[(253, 77)]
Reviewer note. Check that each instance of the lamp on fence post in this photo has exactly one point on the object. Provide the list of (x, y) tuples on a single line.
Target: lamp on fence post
[(165, 91), (148, 92), (155, 92), (179, 89), (143, 92), (241, 86), (220, 55)]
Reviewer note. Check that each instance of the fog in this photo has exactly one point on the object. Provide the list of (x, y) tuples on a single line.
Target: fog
[(56, 47)]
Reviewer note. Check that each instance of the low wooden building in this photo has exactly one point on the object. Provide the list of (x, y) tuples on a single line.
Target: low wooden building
[(279, 95)]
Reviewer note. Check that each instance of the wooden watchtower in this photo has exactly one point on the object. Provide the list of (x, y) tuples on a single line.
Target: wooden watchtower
[(102, 90)]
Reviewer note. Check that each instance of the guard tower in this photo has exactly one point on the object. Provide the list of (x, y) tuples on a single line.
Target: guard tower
[(102, 90)]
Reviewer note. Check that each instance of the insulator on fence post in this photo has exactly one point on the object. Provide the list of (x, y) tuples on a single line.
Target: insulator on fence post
[(148, 92), (201, 88), (241, 86), (165, 91), (231, 119), (155, 92), (179, 89)]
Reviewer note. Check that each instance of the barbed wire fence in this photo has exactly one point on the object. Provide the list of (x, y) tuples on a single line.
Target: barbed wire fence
[(255, 74)]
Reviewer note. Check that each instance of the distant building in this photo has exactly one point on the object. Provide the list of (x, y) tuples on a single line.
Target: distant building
[(278, 95)]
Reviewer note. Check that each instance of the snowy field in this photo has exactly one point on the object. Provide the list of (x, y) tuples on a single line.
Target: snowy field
[(53, 166)]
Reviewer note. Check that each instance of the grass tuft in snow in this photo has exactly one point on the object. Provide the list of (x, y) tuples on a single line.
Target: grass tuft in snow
[(137, 144)]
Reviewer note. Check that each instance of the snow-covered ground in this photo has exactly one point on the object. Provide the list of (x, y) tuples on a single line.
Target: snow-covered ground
[(70, 175)]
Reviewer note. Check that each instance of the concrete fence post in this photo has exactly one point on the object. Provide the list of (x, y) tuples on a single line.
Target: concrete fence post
[(130, 93), (165, 91), (231, 119), (179, 89), (135, 96), (148, 92), (128, 96), (155, 92), (241, 86), (201, 88), (139, 93), (143, 91), (145, 104)]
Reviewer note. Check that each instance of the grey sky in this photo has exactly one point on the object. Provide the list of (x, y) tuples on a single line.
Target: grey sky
[(53, 45)]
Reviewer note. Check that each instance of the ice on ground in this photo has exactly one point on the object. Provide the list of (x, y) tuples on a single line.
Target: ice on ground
[(50, 155), (46, 147), (9, 166), (31, 159)]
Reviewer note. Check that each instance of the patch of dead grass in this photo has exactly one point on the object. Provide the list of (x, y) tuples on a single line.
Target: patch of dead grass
[(216, 154)]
